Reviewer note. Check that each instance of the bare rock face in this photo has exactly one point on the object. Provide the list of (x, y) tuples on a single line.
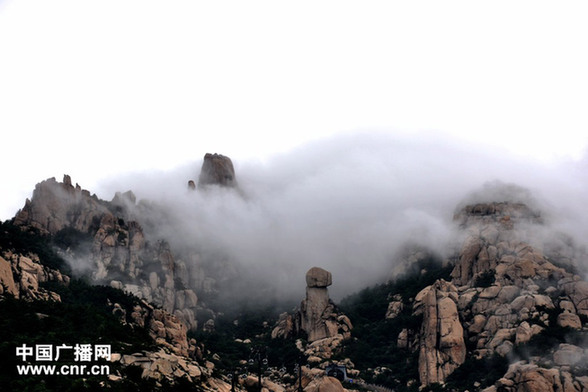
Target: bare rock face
[(7, 284), (326, 328), (441, 347), (490, 237), (507, 286), (55, 206), (20, 277), (395, 307), (505, 290), (115, 249), (284, 328), (318, 277), (217, 170), (318, 315)]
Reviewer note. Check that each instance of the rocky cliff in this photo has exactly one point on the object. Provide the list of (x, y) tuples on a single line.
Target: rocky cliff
[(106, 241)]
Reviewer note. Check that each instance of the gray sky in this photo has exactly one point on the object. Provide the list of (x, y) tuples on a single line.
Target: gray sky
[(102, 89)]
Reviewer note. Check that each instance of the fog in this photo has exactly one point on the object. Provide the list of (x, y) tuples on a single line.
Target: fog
[(349, 204)]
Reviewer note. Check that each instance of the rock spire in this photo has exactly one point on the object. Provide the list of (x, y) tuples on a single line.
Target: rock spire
[(217, 169)]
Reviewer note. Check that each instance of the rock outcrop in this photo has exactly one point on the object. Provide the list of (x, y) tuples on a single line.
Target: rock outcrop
[(318, 317), (161, 365), (106, 241), (442, 347), (217, 170), (55, 206), (508, 287), (177, 357), (531, 377), (20, 277), (504, 290)]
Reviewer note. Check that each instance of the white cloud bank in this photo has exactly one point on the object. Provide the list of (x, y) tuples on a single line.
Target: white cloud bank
[(348, 204)]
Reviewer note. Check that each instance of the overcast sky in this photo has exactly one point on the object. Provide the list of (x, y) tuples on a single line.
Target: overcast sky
[(97, 89)]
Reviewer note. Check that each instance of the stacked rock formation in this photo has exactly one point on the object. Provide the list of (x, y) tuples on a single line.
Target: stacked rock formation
[(318, 317), (317, 309)]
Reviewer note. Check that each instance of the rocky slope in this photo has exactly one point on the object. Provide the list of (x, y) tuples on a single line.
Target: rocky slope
[(126, 244), (106, 241), (173, 355), (504, 290)]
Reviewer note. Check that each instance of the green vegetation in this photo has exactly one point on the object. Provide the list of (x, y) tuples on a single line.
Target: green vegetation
[(83, 317), (254, 324), (29, 240), (375, 339), (482, 372), (70, 238)]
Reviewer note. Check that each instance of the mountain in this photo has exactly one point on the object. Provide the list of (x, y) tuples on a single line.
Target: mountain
[(104, 240), (509, 313), (505, 310)]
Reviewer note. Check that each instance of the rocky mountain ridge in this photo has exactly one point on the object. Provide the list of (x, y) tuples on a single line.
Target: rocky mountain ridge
[(106, 241), (507, 288)]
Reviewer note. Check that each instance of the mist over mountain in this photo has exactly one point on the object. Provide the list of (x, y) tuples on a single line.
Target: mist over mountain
[(349, 204), (440, 258)]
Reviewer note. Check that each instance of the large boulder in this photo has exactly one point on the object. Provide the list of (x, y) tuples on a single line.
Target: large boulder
[(318, 277), (325, 384)]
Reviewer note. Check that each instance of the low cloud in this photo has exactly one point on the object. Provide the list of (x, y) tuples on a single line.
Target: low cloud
[(348, 204)]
